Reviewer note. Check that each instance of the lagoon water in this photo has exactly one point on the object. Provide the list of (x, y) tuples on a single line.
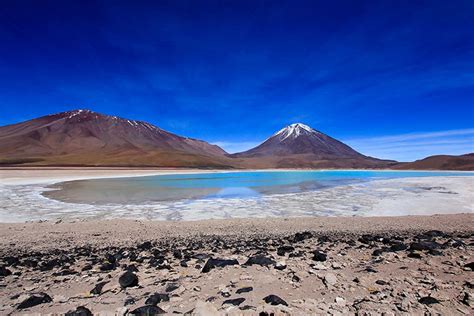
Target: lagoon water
[(241, 194), (211, 186)]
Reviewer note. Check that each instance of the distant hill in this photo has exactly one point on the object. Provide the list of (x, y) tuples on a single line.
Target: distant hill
[(84, 137), (440, 162), (300, 146)]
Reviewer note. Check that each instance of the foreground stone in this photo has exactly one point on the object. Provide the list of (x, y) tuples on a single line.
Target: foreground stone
[(35, 299), (213, 263), (150, 278), (274, 300), (128, 279)]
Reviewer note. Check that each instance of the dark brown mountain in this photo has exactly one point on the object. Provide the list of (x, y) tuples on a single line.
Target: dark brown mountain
[(300, 146), (440, 162), (84, 137)]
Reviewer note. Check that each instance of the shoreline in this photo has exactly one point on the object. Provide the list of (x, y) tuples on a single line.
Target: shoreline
[(21, 193), (17, 175)]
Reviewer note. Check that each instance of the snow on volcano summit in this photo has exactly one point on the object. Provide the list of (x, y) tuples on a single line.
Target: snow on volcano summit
[(294, 130)]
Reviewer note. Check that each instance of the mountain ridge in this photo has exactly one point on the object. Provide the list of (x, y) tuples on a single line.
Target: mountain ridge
[(86, 138)]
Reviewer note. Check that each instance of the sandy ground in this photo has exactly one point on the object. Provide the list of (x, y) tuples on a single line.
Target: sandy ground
[(18, 176), (339, 266)]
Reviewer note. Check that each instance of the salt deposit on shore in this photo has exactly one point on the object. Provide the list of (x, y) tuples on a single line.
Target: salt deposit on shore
[(22, 199)]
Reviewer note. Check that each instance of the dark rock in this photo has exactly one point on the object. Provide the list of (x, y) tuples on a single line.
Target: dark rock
[(213, 263), (31, 263), (110, 258), (433, 233), (48, 265), (87, 267), (319, 256), (131, 268), (145, 246), (183, 263), (147, 310), (4, 271), (35, 299), (370, 270), (11, 261), (107, 266), (211, 299), (323, 239), (97, 290), (64, 272), (156, 298), (454, 243), (177, 254), (281, 251), (234, 301), (295, 278), (415, 255), (247, 307), (381, 282), (298, 237), (424, 245), (259, 260), (435, 252), (296, 254), (467, 299), (399, 246), (274, 300), (171, 287), (428, 300), (129, 301), (377, 252), (80, 311), (128, 279), (367, 239), (470, 265), (244, 290)]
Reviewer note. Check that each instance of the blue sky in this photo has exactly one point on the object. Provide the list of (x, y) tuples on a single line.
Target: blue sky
[(394, 79)]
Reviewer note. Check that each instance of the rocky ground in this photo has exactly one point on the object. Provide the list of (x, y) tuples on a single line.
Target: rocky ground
[(319, 271)]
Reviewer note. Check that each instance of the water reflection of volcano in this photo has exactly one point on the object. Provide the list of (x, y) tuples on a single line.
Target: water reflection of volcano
[(107, 191), (234, 192), (140, 191)]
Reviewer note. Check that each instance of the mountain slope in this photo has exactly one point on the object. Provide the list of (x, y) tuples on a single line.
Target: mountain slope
[(440, 162), (301, 146), (300, 139), (84, 137)]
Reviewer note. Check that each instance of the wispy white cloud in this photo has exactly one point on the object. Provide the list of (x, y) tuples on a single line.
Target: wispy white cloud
[(412, 146), (235, 147)]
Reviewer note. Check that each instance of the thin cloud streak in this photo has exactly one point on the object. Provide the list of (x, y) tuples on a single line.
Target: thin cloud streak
[(413, 146), (411, 136)]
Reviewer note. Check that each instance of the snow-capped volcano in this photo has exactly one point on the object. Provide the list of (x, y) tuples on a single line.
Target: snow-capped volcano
[(294, 130), (298, 138), (301, 146)]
